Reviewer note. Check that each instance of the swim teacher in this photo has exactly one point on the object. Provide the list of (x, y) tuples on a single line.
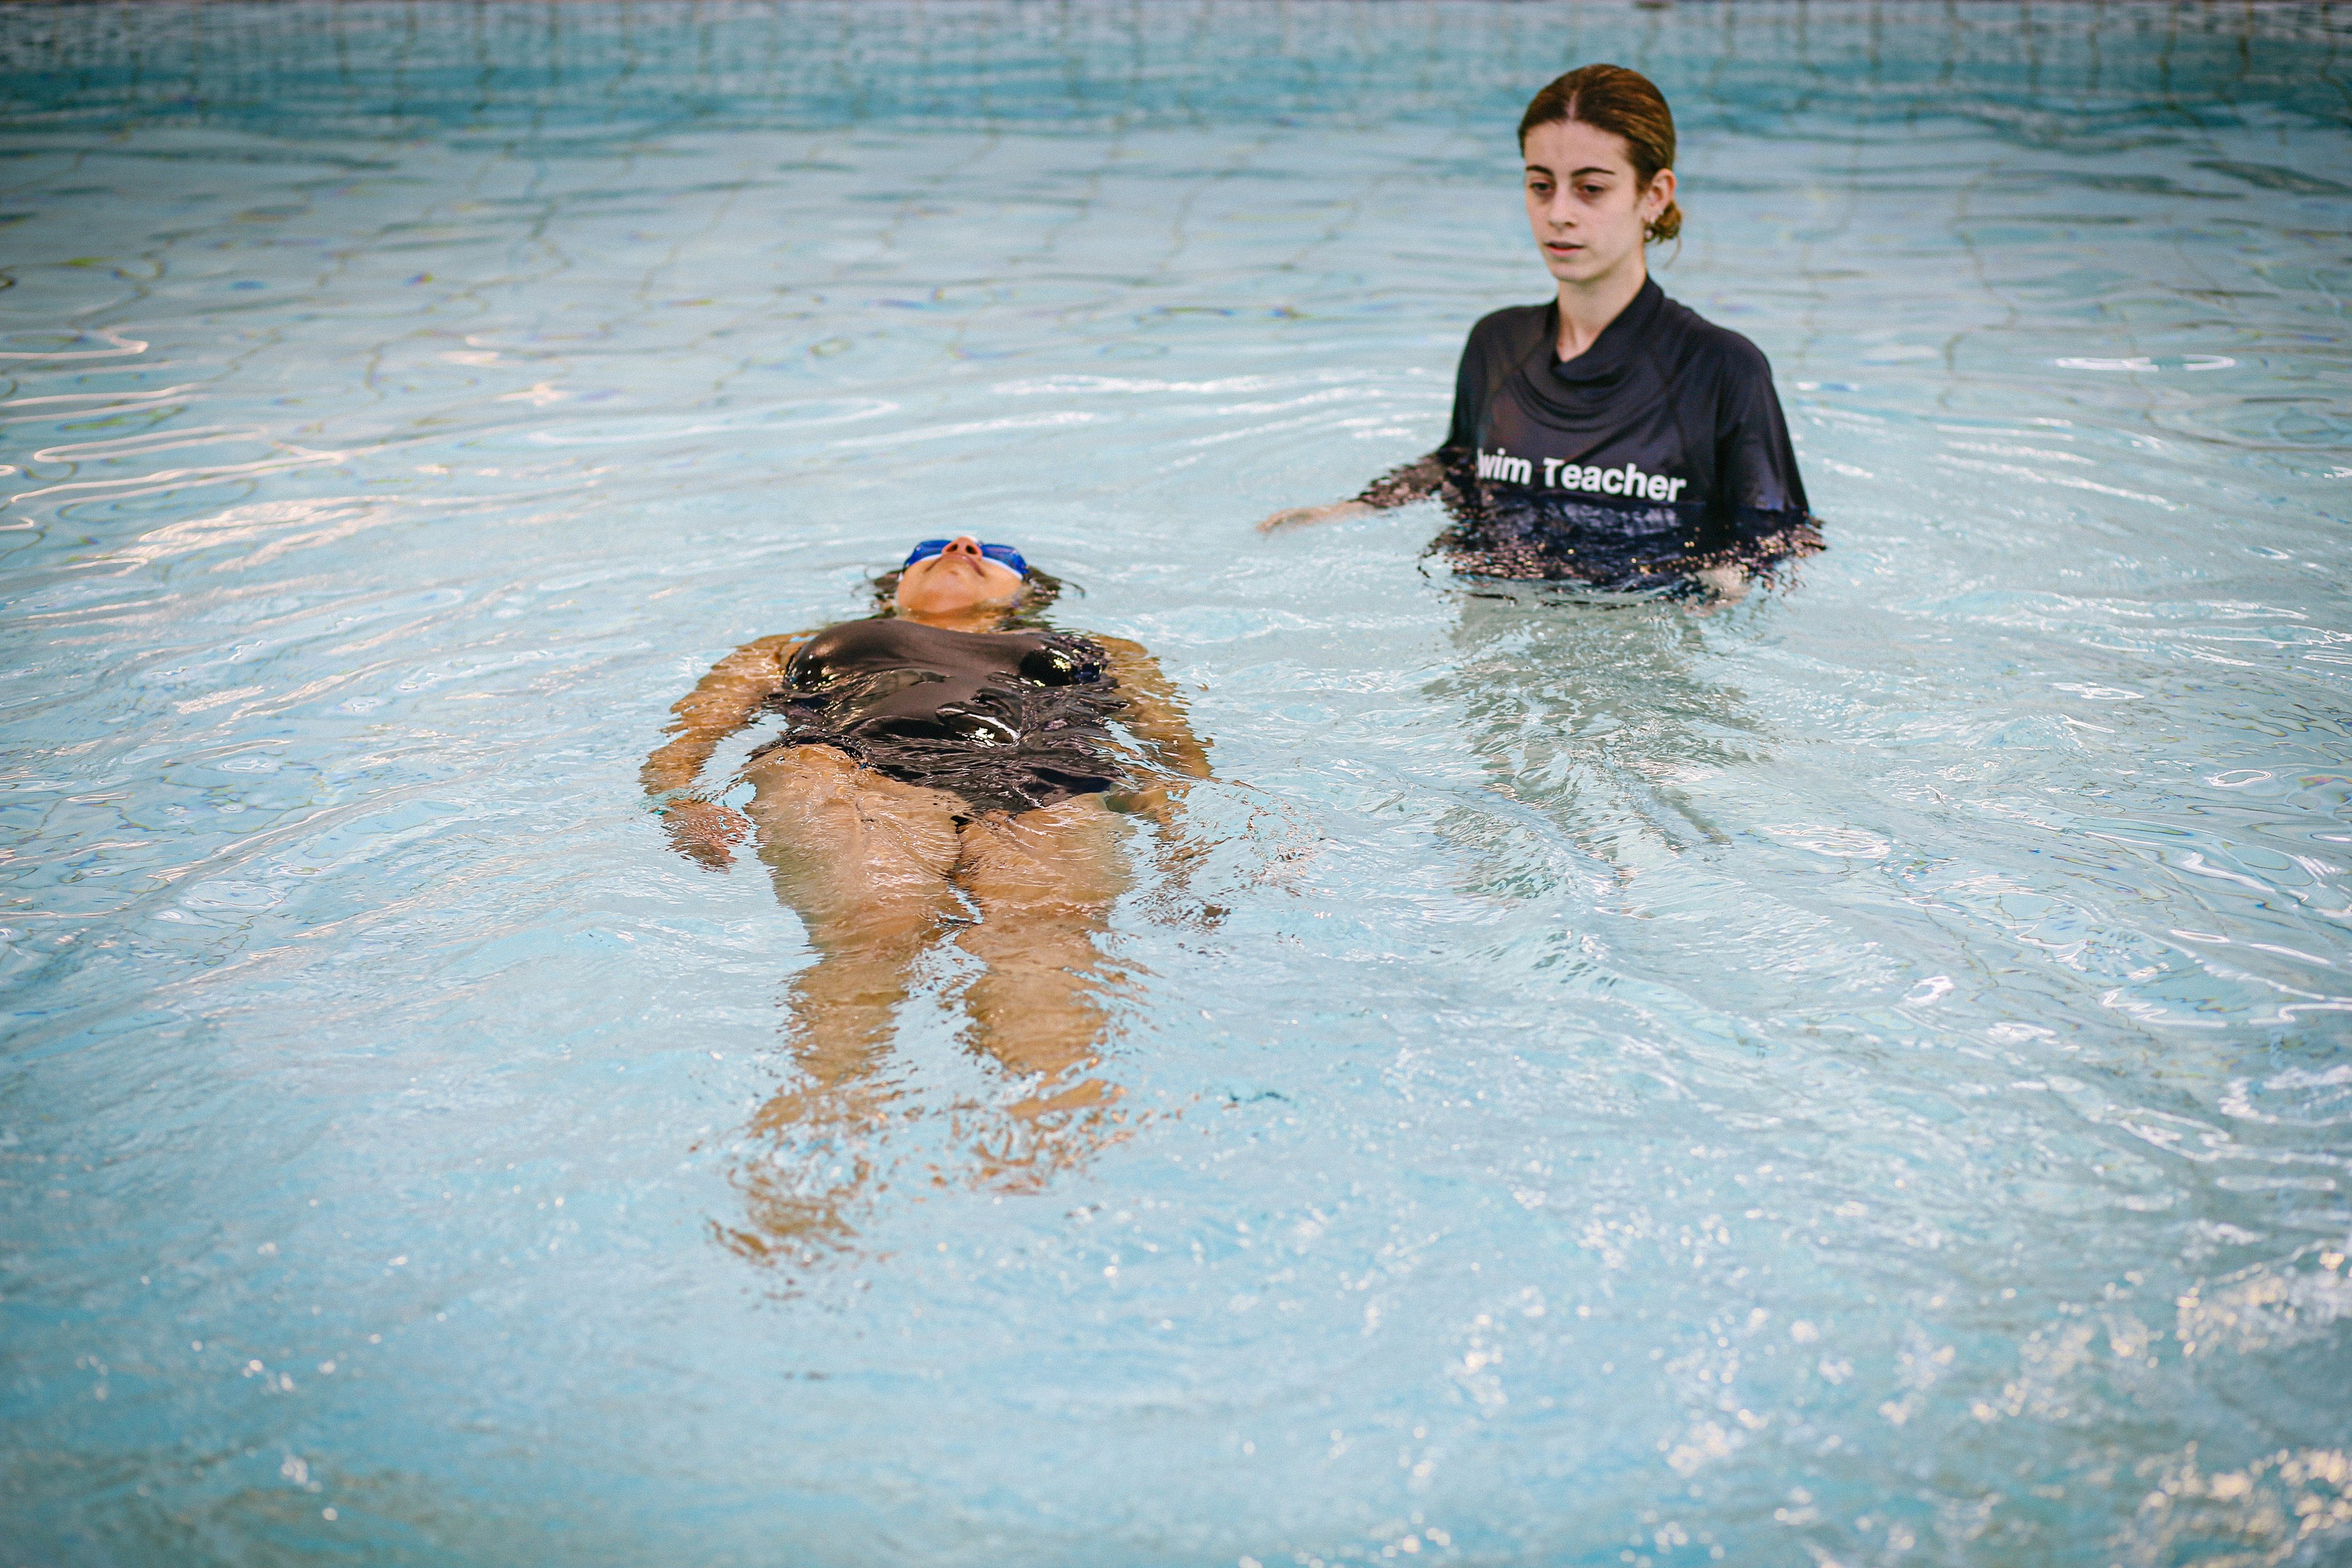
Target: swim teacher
[(1611, 435)]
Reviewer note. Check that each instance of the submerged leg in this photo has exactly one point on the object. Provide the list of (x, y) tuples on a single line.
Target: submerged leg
[(865, 861), (1045, 881)]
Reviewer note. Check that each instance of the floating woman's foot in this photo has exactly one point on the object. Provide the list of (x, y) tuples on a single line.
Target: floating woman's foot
[(814, 1160), (1053, 1129), (800, 1200)]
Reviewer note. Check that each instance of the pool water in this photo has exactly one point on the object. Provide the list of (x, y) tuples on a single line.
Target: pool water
[(1856, 1076)]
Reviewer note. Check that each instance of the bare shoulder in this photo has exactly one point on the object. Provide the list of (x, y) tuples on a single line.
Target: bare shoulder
[(777, 648)]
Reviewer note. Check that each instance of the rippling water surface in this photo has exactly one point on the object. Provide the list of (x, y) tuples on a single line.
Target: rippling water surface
[(1857, 1077)]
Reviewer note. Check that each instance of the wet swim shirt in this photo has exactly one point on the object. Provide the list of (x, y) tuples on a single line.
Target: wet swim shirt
[(1660, 448)]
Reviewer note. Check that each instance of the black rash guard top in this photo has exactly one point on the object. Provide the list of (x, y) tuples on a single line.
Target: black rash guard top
[(1009, 721), (1658, 449)]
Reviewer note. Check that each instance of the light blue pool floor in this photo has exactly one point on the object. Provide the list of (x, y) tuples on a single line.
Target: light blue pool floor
[(1856, 1077)]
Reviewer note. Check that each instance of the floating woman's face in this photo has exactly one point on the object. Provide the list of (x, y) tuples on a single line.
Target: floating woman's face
[(957, 580), (1585, 204)]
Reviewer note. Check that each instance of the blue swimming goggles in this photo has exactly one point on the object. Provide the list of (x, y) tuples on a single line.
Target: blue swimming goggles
[(1003, 554)]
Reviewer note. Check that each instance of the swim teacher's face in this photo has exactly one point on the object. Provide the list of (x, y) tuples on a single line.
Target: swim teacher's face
[(1584, 203), (957, 580)]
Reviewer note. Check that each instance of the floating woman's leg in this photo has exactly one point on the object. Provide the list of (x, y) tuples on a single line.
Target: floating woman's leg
[(865, 861), (1045, 881)]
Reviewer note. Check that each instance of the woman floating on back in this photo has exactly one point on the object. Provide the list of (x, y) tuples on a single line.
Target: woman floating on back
[(1609, 436), (947, 767)]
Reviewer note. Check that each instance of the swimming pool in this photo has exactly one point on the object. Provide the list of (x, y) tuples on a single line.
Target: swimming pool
[(1857, 1077)]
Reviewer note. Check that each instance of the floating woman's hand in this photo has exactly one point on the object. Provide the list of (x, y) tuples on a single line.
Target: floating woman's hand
[(1178, 852), (704, 829), (720, 703)]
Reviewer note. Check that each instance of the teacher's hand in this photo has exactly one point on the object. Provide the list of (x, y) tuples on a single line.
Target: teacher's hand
[(1300, 516)]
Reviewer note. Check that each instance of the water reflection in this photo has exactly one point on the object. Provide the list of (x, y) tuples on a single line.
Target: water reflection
[(1593, 708), (2009, 1024)]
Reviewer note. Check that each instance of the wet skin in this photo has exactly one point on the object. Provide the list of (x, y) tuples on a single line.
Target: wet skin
[(882, 872)]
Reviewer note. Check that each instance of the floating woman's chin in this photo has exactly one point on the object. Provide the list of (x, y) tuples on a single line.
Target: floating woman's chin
[(956, 581), (952, 592)]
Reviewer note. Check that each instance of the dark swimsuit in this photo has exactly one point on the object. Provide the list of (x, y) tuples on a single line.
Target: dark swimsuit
[(1009, 721)]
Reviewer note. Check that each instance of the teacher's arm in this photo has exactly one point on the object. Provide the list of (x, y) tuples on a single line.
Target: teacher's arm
[(1413, 482), (1405, 483)]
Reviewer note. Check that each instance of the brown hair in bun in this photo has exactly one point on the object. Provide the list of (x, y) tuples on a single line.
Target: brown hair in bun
[(1627, 105)]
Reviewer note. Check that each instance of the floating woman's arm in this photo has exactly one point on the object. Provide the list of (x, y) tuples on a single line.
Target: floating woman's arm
[(1155, 714), (1402, 484), (720, 704)]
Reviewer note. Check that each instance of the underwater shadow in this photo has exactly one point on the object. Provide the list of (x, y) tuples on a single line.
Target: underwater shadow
[(1597, 711)]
